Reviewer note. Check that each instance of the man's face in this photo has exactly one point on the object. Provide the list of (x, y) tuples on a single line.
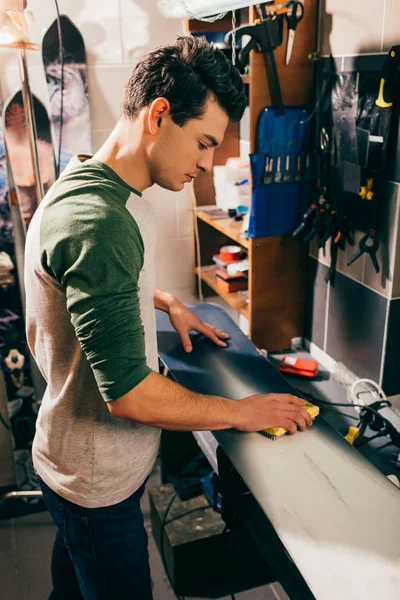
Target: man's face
[(178, 154)]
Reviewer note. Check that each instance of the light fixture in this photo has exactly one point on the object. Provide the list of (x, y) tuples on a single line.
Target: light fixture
[(200, 9)]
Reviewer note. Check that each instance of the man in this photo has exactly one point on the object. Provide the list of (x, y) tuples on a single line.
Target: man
[(90, 287)]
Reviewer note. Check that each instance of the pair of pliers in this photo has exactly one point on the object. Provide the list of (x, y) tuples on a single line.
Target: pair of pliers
[(369, 248)]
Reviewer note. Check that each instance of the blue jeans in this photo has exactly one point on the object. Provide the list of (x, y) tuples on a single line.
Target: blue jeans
[(99, 553)]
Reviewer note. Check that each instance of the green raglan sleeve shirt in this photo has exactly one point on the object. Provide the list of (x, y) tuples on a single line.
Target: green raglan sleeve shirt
[(92, 246)]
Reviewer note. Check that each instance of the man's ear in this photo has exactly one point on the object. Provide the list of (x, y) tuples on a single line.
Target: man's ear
[(158, 110)]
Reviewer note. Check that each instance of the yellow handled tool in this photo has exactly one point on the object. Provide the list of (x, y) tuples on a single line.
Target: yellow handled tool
[(392, 62)]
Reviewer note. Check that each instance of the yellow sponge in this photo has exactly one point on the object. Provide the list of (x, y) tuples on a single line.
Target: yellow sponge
[(275, 433)]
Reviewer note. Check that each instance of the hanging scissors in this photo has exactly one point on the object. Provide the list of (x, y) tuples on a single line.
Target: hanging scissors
[(293, 16)]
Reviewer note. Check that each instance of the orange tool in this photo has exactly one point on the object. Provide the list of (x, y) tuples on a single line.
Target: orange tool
[(299, 366)]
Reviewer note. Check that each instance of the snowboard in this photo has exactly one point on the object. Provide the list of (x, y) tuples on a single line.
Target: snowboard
[(67, 80), (22, 403), (19, 152)]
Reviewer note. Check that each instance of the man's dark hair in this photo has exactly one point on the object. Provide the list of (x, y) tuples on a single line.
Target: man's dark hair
[(186, 73)]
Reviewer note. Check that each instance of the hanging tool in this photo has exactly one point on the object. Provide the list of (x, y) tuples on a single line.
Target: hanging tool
[(315, 220), (390, 67), (370, 249), (366, 192), (308, 219), (337, 241), (372, 189), (265, 35), (318, 224), (330, 228), (293, 16)]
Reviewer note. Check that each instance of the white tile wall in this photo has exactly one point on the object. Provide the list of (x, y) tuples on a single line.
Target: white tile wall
[(99, 136), (106, 86), (116, 36), (164, 203), (391, 33), (174, 261), (353, 27)]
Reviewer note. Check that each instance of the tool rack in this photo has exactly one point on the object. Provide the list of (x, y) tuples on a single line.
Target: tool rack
[(275, 302)]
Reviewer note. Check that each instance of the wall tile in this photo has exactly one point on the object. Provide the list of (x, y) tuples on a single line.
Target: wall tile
[(106, 87), (396, 281), (350, 28), (321, 254), (356, 325), (175, 263), (316, 302), (387, 231), (396, 258), (360, 63), (102, 40), (391, 379), (99, 136), (139, 36), (357, 268), (184, 213), (11, 81), (391, 24), (164, 204), (98, 22), (143, 28), (141, 9), (185, 295)]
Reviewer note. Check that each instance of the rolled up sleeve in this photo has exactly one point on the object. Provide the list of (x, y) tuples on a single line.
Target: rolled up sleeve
[(99, 264)]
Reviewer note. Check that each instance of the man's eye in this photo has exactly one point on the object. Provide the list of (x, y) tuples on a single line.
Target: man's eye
[(202, 146)]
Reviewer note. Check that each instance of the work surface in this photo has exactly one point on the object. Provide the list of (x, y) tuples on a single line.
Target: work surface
[(336, 514)]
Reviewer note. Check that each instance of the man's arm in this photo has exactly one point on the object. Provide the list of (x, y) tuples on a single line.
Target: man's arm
[(160, 402), (163, 300)]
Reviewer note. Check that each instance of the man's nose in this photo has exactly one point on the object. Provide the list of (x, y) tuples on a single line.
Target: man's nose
[(205, 164)]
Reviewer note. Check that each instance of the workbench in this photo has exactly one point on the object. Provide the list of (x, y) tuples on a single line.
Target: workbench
[(325, 518)]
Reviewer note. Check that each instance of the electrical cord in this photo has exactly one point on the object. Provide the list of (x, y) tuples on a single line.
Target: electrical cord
[(387, 427), (354, 397), (384, 402), (61, 58)]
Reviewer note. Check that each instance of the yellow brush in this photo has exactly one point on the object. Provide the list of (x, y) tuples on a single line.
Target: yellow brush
[(274, 433)]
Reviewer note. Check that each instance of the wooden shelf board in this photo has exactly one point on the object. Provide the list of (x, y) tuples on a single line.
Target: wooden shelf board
[(228, 227), (235, 299)]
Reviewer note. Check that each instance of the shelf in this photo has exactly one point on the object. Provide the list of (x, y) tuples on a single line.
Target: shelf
[(235, 299), (228, 227)]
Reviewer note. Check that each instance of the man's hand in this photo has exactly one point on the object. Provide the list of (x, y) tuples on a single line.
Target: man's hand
[(263, 411), (184, 321)]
